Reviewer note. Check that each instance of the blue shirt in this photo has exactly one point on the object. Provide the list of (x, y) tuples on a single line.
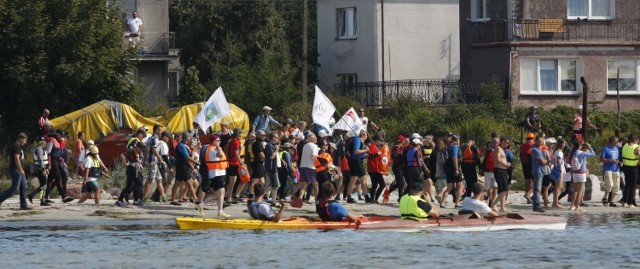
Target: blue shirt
[(454, 151), (610, 153), (337, 211), (269, 163), (182, 149), (264, 123), (357, 145), (536, 156)]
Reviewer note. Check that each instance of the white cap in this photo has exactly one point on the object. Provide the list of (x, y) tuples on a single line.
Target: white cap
[(415, 135), (90, 142), (323, 133), (417, 141), (550, 140), (266, 108)]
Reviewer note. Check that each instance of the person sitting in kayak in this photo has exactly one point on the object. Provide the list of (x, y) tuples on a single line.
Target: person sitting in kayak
[(329, 209), (414, 206), (475, 203), (258, 209)]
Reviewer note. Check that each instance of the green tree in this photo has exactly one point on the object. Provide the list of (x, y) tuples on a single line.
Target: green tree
[(191, 91), (243, 46), (59, 54)]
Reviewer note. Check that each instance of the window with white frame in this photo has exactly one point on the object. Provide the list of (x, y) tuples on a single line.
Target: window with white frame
[(548, 76), (347, 23), (346, 78), (479, 10), (623, 74), (591, 9)]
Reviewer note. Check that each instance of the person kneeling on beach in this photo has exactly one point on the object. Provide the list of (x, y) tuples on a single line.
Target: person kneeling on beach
[(475, 203), (92, 172), (414, 206), (331, 210), (258, 209)]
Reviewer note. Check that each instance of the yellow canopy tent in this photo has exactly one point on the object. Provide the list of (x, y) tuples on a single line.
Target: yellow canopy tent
[(101, 119), (180, 119)]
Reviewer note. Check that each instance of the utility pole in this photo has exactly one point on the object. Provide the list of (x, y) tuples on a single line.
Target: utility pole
[(384, 90), (304, 51), (585, 109)]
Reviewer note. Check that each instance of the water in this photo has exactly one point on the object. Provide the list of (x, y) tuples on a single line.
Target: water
[(594, 241)]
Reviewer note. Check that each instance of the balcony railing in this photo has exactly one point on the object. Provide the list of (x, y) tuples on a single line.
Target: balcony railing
[(559, 30), (156, 43), (433, 92)]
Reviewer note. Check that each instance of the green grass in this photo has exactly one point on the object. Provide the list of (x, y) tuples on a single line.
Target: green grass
[(26, 213), (114, 214)]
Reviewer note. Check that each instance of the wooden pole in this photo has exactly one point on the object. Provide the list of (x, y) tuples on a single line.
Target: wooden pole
[(618, 130), (304, 50), (585, 109)]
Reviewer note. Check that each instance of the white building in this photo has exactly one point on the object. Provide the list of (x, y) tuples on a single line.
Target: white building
[(418, 38)]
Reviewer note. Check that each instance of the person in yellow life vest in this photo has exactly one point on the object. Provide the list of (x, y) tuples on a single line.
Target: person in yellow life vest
[(216, 162), (324, 165), (93, 170), (414, 206), (630, 153)]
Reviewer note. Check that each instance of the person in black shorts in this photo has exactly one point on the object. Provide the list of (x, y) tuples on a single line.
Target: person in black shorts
[(184, 169), (453, 172), (257, 165)]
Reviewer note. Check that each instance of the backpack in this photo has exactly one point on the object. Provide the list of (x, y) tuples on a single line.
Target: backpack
[(575, 163)]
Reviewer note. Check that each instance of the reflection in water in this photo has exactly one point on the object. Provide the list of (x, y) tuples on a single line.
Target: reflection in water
[(588, 241)]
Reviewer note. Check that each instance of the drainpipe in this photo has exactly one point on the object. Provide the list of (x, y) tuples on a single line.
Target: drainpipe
[(382, 47)]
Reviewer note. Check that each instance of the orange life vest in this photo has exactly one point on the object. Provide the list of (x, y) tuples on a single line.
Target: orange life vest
[(386, 153), (320, 166), (219, 164), (468, 156)]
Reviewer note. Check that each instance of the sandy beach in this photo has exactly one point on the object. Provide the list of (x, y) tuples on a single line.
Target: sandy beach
[(158, 211)]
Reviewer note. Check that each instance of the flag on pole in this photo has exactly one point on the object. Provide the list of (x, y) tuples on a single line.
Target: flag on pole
[(350, 122), (213, 110), (323, 109)]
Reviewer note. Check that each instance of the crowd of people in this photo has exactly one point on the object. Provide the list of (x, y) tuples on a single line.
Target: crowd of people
[(302, 164)]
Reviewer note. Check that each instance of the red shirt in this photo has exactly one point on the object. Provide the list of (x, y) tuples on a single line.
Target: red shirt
[(234, 145), (374, 161), (525, 151)]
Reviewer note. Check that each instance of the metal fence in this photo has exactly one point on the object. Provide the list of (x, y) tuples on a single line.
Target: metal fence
[(555, 30), (432, 92)]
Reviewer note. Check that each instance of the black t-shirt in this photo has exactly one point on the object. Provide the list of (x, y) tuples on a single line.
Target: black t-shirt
[(15, 149), (257, 148)]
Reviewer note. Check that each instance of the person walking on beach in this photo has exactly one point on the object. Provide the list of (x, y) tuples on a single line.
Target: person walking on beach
[(525, 160), (630, 153), (307, 167), (257, 156), (357, 152), (41, 163), (57, 175), (500, 172), (16, 171), (538, 162), (610, 158), (579, 173), (93, 171), (234, 147), (213, 180), (184, 170), (452, 172), (470, 161), (133, 158), (558, 172), (153, 161)]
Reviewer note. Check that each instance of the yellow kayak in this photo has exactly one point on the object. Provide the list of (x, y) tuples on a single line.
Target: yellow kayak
[(189, 223)]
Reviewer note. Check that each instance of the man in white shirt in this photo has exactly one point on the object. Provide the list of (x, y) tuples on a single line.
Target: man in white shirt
[(476, 204), (307, 167), (134, 24)]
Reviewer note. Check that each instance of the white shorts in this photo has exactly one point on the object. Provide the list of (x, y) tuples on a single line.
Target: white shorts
[(578, 178), (489, 181), (567, 177)]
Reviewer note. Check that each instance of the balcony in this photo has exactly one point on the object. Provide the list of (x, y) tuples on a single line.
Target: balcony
[(432, 92), (556, 30), (153, 43)]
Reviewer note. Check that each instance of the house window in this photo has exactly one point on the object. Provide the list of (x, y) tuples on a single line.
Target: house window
[(346, 78), (548, 76), (628, 76), (591, 9), (479, 10), (347, 23)]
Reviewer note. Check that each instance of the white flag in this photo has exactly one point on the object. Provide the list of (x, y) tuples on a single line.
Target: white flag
[(323, 109), (213, 110), (350, 122)]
